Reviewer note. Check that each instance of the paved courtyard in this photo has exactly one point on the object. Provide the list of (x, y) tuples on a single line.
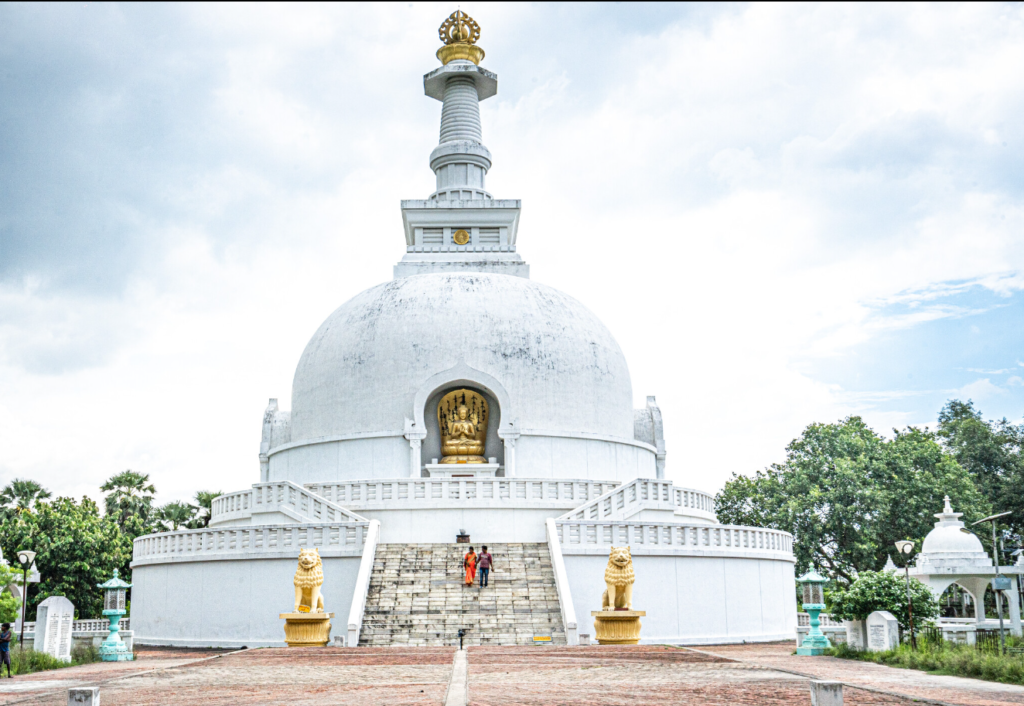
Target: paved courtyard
[(739, 674)]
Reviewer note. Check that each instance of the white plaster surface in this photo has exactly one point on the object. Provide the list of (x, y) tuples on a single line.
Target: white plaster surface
[(229, 603), (697, 600)]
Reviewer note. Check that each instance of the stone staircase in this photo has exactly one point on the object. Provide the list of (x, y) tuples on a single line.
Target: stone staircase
[(417, 597)]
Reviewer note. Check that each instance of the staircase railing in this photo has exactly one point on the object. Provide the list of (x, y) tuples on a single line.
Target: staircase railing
[(562, 585), (290, 499), (657, 537), (626, 501), (358, 610)]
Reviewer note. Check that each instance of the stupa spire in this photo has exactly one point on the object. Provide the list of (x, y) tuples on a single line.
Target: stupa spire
[(460, 227)]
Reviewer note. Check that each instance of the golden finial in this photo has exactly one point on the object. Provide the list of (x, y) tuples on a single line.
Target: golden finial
[(459, 33)]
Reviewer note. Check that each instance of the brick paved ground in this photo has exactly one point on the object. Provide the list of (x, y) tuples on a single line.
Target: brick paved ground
[(955, 690), (498, 676), (301, 676), (587, 676)]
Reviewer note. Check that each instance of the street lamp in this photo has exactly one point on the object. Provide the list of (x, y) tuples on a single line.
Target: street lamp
[(1000, 582), (812, 586), (906, 547), (26, 558)]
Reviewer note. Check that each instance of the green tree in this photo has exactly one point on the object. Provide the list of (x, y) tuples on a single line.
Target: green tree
[(882, 590), (76, 549), (176, 514), (204, 499), (992, 452), (846, 494), (22, 494), (129, 501), (10, 607)]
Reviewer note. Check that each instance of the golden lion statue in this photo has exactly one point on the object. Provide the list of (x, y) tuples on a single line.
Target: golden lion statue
[(619, 577), (309, 577)]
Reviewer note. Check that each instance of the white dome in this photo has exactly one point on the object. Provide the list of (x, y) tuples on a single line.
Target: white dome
[(947, 539), (560, 367)]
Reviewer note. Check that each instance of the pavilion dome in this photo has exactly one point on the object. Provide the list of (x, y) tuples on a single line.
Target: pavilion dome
[(560, 366), (951, 545)]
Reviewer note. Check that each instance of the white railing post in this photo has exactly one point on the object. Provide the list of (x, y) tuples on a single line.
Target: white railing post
[(572, 636), (355, 614)]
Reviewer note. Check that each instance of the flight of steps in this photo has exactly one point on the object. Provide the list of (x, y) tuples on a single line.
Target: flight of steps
[(417, 596)]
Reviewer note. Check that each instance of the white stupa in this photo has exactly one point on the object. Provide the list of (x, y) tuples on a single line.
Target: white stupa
[(462, 397), (952, 554)]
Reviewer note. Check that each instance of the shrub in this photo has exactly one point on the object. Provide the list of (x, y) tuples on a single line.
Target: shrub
[(882, 590)]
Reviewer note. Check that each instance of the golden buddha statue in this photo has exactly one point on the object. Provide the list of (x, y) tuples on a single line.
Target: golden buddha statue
[(462, 419)]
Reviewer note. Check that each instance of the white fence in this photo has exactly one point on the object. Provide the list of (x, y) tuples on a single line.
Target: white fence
[(624, 502), (284, 497), (319, 502), (432, 491), (197, 545), (803, 620), (101, 625), (577, 536)]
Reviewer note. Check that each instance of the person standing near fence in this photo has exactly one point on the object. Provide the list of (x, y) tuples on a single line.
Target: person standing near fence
[(5, 648), (484, 562)]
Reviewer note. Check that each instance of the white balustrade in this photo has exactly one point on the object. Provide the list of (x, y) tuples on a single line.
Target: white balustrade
[(803, 620), (362, 588), (101, 625), (433, 492), (195, 545), (625, 501), (727, 539)]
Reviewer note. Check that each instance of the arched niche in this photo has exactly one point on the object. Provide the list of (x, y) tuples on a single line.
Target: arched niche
[(502, 420)]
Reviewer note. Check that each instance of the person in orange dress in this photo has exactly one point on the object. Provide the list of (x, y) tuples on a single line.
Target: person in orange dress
[(469, 563)]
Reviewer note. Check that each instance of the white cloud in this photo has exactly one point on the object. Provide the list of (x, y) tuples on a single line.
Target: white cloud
[(731, 194)]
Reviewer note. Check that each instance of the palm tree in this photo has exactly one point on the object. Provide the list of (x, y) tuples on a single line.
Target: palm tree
[(176, 514), (204, 499), (130, 500), (23, 494)]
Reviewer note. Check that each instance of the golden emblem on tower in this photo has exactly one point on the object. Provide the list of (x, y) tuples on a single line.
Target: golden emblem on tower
[(462, 419), (459, 33)]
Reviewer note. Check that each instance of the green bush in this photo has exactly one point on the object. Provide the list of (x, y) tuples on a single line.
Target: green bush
[(9, 607), (882, 590), (946, 658), (29, 661)]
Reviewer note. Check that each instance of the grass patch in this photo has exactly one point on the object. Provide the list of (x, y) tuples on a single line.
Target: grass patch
[(946, 658), (29, 661)]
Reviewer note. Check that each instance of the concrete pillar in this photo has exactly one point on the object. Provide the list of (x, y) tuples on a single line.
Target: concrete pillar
[(84, 696), (1014, 606), (415, 437), (510, 455), (826, 693)]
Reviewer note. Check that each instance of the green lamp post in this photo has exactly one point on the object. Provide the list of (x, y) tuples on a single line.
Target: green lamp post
[(113, 648), (812, 585)]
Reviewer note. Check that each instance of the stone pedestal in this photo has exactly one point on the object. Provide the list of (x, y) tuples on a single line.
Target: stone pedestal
[(307, 629), (617, 627), (458, 471)]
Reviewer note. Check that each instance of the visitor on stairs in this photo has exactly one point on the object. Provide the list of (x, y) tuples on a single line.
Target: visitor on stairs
[(469, 563), (484, 563)]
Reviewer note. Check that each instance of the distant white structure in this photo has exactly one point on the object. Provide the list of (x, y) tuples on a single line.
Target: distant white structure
[(564, 458), (952, 554)]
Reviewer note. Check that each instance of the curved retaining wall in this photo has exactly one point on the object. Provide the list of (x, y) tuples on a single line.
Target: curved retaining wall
[(226, 587), (698, 584)]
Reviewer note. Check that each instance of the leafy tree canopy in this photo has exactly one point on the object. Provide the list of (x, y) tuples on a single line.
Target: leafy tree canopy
[(21, 494), (204, 499), (129, 501), (847, 494), (883, 590), (176, 514), (992, 452), (76, 549)]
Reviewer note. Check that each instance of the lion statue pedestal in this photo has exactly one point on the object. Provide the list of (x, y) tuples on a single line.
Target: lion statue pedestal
[(308, 625), (617, 623)]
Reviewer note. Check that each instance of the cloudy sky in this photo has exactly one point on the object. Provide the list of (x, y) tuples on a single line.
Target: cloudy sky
[(785, 214)]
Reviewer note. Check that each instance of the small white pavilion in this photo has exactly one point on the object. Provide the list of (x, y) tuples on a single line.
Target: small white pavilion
[(953, 554)]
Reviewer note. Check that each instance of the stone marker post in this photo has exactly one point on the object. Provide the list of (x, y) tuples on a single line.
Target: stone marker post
[(54, 617), (84, 696), (826, 693), (883, 631), (856, 634)]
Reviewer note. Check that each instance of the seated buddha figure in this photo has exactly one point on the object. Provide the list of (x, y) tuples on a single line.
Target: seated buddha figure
[(461, 444)]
